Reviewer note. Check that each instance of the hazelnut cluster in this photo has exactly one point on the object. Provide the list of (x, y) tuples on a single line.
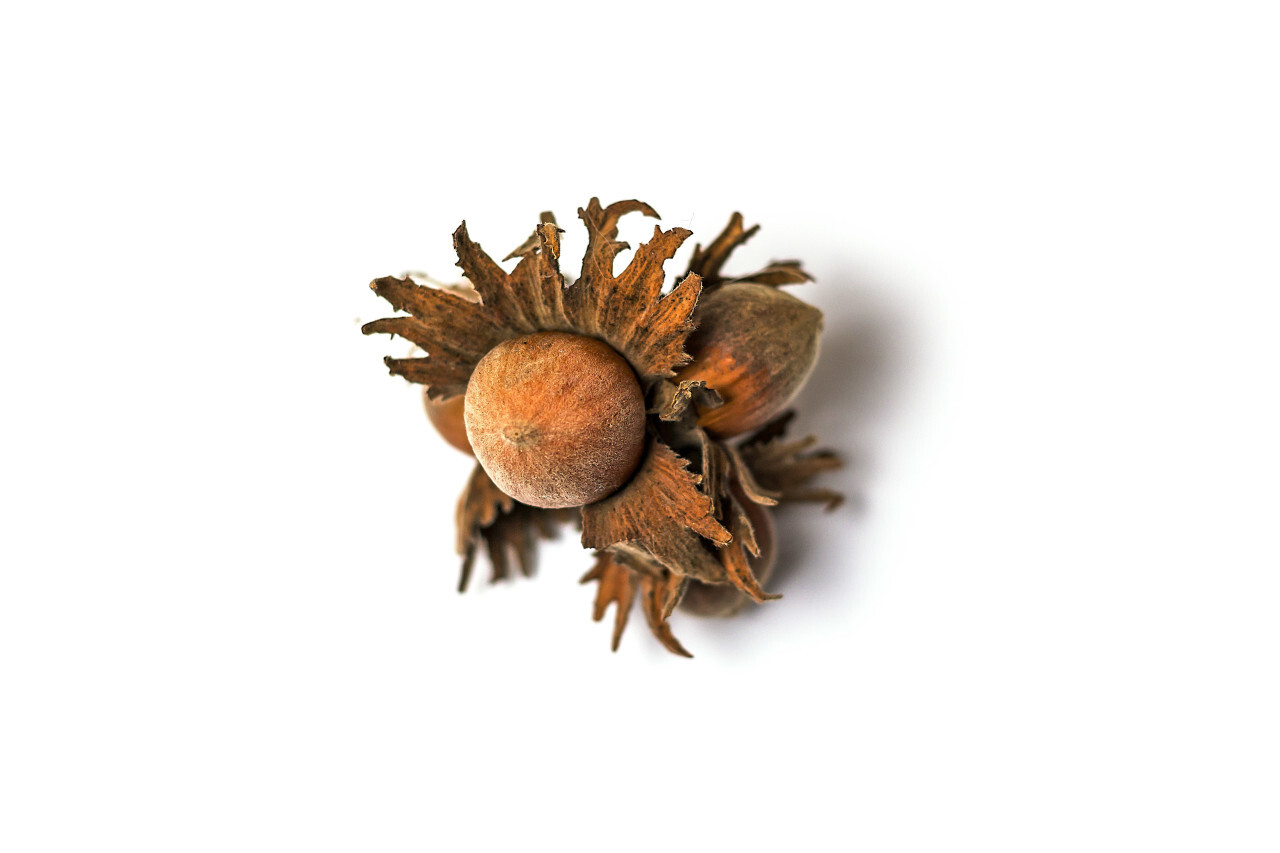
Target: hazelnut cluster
[(654, 417)]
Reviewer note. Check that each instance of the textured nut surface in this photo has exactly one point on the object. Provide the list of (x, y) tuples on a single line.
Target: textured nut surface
[(556, 420), (447, 417), (756, 346)]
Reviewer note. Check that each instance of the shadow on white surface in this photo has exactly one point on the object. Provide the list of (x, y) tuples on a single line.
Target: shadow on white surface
[(863, 370)]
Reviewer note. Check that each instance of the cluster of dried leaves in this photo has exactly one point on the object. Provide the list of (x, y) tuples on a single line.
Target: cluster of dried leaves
[(676, 521)]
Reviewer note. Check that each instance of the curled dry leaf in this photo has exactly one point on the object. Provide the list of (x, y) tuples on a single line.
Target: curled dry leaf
[(761, 553), (505, 527), (786, 467), (709, 262), (658, 598), (616, 585)]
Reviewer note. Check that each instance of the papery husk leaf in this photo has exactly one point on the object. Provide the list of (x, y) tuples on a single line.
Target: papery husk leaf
[(747, 480), (444, 378), (744, 531), (537, 284), (708, 262), (616, 585), (777, 274), (657, 337), (602, 234), (533, 240), (675, 403), (734, 560), (505, 527), (658, 598), (626, 310), (492, 283), (662, 509), (715, 468), (785, 467), (455, 333)]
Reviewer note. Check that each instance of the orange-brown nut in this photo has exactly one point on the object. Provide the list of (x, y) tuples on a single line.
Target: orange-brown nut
[(446, 416), (704, 599), (556, 420), (756, 346)]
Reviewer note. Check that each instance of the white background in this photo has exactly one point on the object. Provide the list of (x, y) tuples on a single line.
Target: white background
[(1045, 236)]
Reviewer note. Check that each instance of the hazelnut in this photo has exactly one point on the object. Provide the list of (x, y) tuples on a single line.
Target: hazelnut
[(521, 373), (556, 420), (704, 599), (446, 417), (755, 346)]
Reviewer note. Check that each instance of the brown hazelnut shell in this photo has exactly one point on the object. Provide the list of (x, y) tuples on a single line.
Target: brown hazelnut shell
[(755, 345), (447, 417), (555, 419)]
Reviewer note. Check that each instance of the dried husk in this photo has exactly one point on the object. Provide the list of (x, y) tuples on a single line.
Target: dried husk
[(505, 528), (708, 263), (724, 600)]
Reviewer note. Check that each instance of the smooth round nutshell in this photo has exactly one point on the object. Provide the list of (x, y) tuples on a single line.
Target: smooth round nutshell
[(756, 347), (447, 417), (555, 420)]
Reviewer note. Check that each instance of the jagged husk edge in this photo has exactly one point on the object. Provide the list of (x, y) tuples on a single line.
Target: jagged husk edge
[(489, 518), (708, 262), (766, 469), (628, 311)]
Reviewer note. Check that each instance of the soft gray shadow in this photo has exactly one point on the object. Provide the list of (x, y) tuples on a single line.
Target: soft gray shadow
[(862, 370)]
